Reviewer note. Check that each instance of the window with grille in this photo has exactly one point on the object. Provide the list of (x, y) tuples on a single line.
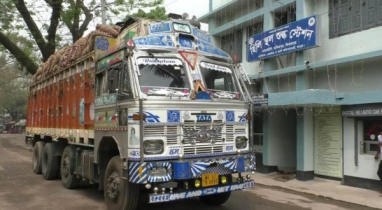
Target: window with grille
[(349, 16), (233, 45)]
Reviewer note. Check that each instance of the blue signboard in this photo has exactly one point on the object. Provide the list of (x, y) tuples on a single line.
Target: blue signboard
[(285, 39)]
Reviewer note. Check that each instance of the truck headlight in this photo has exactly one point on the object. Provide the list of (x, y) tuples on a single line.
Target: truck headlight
[(153, 147), (241, 142)]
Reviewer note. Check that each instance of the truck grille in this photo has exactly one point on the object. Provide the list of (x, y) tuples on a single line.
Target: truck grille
[(191, 150), (169, 133), (173, 135)]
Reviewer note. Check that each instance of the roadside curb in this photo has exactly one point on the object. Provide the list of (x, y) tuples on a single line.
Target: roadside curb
[(315, 194)]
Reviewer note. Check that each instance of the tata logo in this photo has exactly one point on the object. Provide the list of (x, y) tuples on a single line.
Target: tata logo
[(203, 118)]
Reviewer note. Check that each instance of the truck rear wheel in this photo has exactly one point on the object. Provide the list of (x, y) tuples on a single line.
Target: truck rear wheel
[(216, 199), (119, 193), (37, 157), (68, 162), (50, 163)]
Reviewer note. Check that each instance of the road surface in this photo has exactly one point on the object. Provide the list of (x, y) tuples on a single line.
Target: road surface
[(20, 189)]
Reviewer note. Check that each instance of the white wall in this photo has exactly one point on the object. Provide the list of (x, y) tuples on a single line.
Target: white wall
[(282, 139), (367, 166), (342, 46)]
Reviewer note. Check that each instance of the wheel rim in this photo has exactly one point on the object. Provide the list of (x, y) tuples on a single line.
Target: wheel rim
[(35, 158), (112, 186), (65, 167)]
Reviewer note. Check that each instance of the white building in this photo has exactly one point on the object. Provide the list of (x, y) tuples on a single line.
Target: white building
[(324, 102)]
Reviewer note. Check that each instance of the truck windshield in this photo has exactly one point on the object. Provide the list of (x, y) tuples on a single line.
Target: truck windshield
[(160, 76), (219, 80)]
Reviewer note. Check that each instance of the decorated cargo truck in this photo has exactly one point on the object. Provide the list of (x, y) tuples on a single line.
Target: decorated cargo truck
[(147, 110)]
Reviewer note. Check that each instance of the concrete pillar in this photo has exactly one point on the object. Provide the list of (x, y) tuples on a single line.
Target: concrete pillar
[(305, 146)]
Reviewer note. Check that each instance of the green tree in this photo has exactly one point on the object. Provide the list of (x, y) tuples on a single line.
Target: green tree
[(158, 13), (14, 88), (46, 22)]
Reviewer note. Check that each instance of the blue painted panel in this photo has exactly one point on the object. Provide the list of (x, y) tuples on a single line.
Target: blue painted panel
[(165, 41), (201, 35), (240, 167), (160, 27), (230, 116), (181, 170), (185, 41), (208, 48), (288, 38), (173, 116)]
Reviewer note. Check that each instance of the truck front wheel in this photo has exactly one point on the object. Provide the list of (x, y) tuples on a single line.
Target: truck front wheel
[(216, 199), (119, 193), (37, 157)]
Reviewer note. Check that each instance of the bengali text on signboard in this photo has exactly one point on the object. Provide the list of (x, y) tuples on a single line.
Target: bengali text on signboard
[(295, 36)]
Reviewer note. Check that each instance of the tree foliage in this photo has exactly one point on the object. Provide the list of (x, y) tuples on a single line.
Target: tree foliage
[(14, 85), (49, 22), (158, 13)]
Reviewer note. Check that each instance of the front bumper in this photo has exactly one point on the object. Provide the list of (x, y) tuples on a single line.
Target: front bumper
[(142, 172), (180, 195)]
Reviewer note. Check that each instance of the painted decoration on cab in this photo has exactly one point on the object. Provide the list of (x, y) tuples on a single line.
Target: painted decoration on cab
[(150, 117), (133, 138), (230, 116), (155, 40), (104, 46), (102, 43), (185, 42), (243, 118), (82, 111), (157, 198), (160, 27), (173, 116), (186, 115)]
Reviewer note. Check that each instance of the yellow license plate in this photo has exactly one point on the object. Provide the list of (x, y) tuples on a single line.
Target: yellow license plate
[(210, 179)]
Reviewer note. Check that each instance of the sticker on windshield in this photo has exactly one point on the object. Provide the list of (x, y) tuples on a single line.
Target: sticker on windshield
[(215, 67), (159, 61)]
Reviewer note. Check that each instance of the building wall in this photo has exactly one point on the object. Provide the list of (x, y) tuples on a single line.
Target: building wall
[(281, 140), (354, 77), (342, 70), (342, 46)]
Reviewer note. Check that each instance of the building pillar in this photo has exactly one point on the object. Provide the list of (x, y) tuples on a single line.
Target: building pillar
[(268, 24), (305, 146)]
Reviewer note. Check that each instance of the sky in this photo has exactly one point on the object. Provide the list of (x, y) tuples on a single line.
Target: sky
[(192, 7)]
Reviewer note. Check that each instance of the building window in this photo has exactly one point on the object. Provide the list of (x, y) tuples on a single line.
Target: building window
[(233, 45), (349, 16), (254, 29), (371, 129), (285, 15)]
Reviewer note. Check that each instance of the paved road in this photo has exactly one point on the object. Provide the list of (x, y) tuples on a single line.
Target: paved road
[(20, 189)]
